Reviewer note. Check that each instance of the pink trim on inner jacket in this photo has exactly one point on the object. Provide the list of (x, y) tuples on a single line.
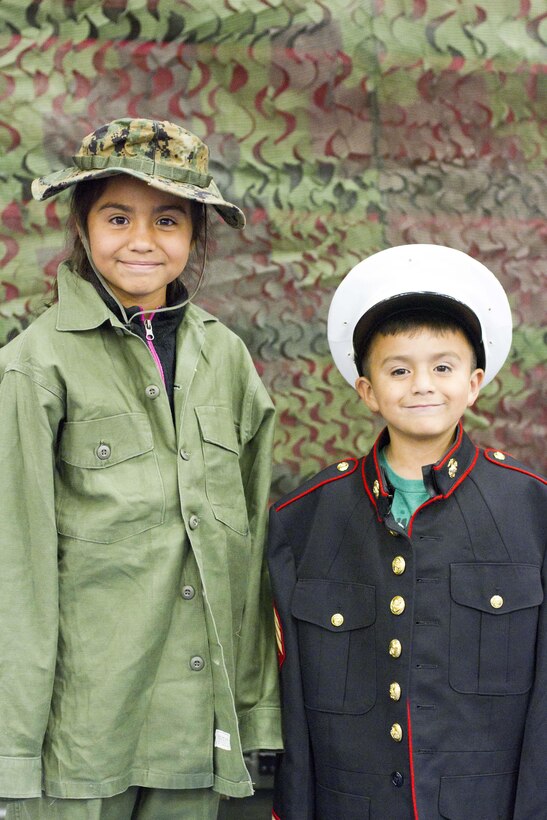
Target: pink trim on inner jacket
[(152, 349)]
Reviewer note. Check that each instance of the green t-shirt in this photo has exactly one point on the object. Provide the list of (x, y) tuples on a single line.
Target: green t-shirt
[(409, 494)]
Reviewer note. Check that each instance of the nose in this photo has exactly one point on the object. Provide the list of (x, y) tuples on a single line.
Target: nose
[(422, 381), (141, 238)]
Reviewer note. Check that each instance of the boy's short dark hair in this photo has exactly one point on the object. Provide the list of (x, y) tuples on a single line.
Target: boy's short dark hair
[(408, 321)]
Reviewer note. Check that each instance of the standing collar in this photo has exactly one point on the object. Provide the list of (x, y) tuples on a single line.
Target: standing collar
[(440, 479)]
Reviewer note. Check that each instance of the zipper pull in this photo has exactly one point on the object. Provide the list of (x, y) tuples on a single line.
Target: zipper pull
[(149, 331)]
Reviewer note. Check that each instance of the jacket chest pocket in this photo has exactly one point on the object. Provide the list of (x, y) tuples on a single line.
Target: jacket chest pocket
[(223, 484), (109, 484), (493, 626), (335, 622)]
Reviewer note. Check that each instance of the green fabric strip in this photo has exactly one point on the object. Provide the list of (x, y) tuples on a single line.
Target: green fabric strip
[(145, 166)]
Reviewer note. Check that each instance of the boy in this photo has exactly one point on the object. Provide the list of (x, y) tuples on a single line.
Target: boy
[(409, 584)]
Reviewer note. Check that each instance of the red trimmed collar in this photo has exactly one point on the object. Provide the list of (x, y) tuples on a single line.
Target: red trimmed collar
[(440, 479)]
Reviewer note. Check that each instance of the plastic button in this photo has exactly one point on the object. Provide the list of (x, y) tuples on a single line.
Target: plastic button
[(188, 592), (193, 522), (103, 452), (152, 391), (196, 663), (397, 779)]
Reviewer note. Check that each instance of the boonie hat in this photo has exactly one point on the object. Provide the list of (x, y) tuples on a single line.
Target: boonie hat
[(160, 153), (430, 277)]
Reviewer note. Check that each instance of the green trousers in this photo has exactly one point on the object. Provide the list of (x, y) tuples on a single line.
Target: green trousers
[(134, 804)]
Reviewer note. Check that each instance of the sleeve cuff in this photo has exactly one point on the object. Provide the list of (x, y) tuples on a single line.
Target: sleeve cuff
[(260, 728), (20, 777)]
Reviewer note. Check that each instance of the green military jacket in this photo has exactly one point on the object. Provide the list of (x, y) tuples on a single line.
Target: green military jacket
[(136, 634)]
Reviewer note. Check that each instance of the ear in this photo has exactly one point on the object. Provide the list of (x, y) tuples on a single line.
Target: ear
[(475, 383), (366, 393)]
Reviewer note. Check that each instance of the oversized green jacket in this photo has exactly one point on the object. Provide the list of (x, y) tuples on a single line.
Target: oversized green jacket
[(136, 634)]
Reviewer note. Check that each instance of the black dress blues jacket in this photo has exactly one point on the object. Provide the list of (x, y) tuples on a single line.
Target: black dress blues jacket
[(413, 662)]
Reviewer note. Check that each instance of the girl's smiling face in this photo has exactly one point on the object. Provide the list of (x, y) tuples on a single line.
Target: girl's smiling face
[(140, 239), (421, 382)]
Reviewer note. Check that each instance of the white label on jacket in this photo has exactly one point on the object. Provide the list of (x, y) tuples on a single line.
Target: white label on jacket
[(222, 740)]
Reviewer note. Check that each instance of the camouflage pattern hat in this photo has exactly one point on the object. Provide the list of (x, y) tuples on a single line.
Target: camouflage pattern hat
[(162, 154)]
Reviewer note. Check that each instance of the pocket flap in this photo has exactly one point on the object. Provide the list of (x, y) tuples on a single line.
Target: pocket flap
[(491, 795), (336, 605), (126, 436), (496, 588), (217, 427)]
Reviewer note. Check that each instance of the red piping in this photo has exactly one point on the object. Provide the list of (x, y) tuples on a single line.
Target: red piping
[(379, 473), (450, 491), (321, 484), (275, 816), (453, 449), (368, 492), (510, 466), (411, 759)]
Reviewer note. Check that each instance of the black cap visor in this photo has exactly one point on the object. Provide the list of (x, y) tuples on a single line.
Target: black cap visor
[(439, 305)]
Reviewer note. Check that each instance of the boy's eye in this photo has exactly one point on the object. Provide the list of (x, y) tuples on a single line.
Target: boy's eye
[(443, 368), (399, 371)]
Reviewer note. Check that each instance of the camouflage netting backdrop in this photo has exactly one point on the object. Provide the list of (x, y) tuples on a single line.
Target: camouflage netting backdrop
[(341, 127)]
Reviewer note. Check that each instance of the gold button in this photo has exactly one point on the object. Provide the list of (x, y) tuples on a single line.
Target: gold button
[(395, 648), (496, 601), (337, 619), (392, 532), (397, 605), (376, 488), (396, 732), (398, 565), (394, 691), (342, 466), (499, 456)]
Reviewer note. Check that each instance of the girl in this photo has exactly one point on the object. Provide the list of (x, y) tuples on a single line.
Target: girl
[(137, 646)]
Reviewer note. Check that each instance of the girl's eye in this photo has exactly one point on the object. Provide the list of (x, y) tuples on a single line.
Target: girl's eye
[(166, 221), (119, 220)]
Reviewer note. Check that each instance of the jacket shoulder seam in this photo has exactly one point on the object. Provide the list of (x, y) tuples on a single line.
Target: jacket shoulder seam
[(488, 454), (350, 459), (17, 367)]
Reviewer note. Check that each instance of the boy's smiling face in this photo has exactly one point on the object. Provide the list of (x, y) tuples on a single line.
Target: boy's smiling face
[(421, 382)]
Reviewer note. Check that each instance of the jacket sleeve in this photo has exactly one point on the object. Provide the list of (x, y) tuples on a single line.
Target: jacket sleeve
[(295, 776), (531, 796), (29, 418), (257, 687)]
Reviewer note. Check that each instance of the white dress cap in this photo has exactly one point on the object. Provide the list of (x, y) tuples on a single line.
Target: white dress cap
[(411, 276)]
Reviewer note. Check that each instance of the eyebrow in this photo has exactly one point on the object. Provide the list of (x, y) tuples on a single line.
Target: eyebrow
[(447, 354), (127, 209)]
